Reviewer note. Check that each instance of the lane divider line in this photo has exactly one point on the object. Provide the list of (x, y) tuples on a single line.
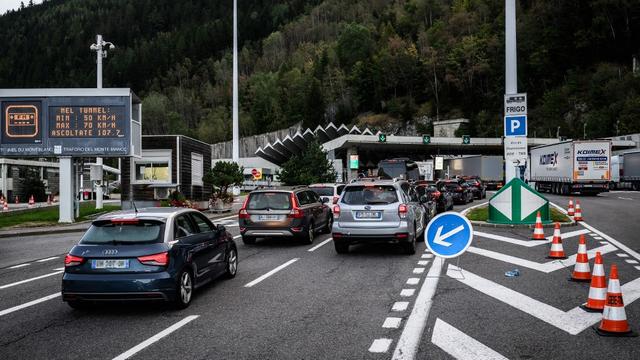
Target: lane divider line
[(380, 345), (28, 304), (623, 255), (637, 267), (418, 270), (392, 323), (237, 236), (460, 345), (400, 306), (427, 256), (136, 349), (30, 279), (423, 262), (407, 292), (615, 242), (18, 266), (320, 245), (261, 278), (630, 261), (224, 218), (413, 281), (47, 259)]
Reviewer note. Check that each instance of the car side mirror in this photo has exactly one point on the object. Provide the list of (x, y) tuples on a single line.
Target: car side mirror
[(222, 228)]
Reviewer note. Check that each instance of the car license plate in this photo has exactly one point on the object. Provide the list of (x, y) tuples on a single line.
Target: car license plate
[(368, 215), (110, 264), (268, 217)]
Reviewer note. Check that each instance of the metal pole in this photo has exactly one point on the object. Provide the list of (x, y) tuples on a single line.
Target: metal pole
[(67, 199), (235, 153), (99, 57), (511, 67)]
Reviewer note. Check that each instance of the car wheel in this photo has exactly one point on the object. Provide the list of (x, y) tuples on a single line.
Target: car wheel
[(341, 247), (185, 290), (248, 240), (308, 239), (327, 228), (410, 247), (232, 263)]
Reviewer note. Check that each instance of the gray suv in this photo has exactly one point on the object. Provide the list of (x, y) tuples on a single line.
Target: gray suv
[(377, 211)]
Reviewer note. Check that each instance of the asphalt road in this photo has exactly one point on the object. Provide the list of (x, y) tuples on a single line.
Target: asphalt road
[(370, 304)]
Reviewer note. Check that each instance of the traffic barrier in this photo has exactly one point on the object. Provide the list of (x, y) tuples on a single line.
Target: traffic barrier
[(598, 287), (614, 319), (538, 231), (571, 210), (581, 271), (32, 202), (578, 214), (556, 251)]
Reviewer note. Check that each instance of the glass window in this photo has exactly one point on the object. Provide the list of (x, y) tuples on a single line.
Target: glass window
[(313, 197), (369, 195), (269, 200), (340, 188), (202, 223), (197, 169), (153, 172), (140, 232), (303, 198), (323, 191), (183, 227)]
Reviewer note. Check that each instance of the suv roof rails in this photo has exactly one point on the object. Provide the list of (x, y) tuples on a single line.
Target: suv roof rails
[(296, 187)]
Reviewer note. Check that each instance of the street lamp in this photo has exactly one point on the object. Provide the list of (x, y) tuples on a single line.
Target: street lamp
[(235, 147), (100, 47)]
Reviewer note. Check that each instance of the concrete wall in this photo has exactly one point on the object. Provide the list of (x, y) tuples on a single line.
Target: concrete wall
[(249, 145)]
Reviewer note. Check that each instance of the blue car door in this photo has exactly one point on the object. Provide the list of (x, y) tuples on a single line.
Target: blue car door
[(215, 247), (187, 233)]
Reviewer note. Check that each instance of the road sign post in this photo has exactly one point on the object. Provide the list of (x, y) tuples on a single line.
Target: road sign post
[(517, 203), (448, 235)]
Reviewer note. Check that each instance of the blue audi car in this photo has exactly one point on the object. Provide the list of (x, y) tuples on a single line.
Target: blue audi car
[(159, 254)]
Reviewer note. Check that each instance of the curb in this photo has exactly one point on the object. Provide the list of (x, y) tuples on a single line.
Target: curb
[(464, 212)]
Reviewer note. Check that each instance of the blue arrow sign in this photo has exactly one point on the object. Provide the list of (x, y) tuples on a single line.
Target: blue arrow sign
[(515, 125), (448, 235)]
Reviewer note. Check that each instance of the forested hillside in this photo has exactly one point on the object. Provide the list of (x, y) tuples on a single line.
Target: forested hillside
[(390, 64)]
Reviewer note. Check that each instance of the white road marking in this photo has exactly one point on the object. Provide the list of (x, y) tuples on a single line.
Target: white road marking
[(256, 281), (418, 270), (625, 198), (615, 242), (603, 242), (528, 243), (414, 327), (320, 245), (380, 345), (547, 267), (392, 323), (30, 279), (407, 292), (58, 269), (423, 262), (593, 234), (573, 321), (18, 266), (413, 281), (622, 255), (637, 267), (597, 237), (134, 350), (629, 261), (47, 259), (400, 306), (427, 256), (237, 236), (30, 303), (224, 218), (460, 345)]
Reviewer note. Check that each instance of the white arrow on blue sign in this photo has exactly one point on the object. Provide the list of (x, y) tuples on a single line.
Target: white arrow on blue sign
[(448, 235), (515, 125)]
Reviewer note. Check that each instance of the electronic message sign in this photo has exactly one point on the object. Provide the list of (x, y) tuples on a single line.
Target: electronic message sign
[(63, 122)]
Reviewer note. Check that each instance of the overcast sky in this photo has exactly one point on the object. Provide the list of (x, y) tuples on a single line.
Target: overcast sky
[(13, 4)]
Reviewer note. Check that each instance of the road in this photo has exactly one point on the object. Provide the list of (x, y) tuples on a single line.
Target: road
[(369, 304)]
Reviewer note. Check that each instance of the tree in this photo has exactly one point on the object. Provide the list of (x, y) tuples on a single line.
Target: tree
[(355, 44), (31, 184), (310, 166), (223, 175)]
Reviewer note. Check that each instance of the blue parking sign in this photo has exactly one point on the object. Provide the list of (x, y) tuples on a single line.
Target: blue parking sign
[(515, 125), (448, 235)]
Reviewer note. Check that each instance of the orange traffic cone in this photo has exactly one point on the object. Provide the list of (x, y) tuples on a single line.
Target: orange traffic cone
[(556, 251), (597, 289), (581, 271), (17, 199), (614, 319), (571, 210), (48, 199), (32, 202), (5, 206), (538, 231), (578, 214)]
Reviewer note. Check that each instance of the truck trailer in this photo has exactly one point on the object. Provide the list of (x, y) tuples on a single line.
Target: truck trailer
[(630, 169), (572, 167), (490, 169)]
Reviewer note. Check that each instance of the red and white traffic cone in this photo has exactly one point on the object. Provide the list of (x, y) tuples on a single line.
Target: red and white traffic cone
[(578, 214), (17, 199), (581, 271), (598, 287), (538, 230), (49, 200), (5, 206), (614, 319), (556, 251), (571, 210), (32, 202)]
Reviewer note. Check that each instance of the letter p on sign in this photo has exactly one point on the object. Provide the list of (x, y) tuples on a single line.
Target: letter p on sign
[(515, 125)]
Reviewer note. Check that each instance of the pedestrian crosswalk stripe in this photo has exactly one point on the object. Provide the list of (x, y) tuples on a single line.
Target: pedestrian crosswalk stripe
[(460, 345)]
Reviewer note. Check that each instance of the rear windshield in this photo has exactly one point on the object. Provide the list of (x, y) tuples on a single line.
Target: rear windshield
[(369, 195), (269, 200), (323, 191), (142, 232), (451, 186)]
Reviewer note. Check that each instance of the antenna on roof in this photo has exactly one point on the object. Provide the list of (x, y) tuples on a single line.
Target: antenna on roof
[(133, 203)]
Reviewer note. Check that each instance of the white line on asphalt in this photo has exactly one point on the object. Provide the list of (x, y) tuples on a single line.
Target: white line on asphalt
[(419, 270), (400, 306), (271, 272), (18, 266), (622, 255), (637, 267), (237, 236), (423, 262), (134, 350), (30, 303), (407, 292), (427, 256), (414, 327), (593, 234), (30, 279), (380, 345), (320, 245), (465, 211), (460, 345), (58, 269), (625, 198), (224, 218), (629, 261), (528, 243), (547, 267), (615, 242), (603, 242), (47, 259), (413, 281), (392, 323), (597, 237)]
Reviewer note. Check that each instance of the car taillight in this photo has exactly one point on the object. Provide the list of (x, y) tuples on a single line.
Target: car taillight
[(336, 211), (459, 189), (296, 212), (72, 260), (161, 259), (403, 210), (335, 199), (437, 194), (243, 214)]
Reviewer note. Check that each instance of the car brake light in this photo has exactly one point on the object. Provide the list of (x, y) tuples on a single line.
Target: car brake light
[(336, 211), (437, 194), (243, 214), (161, 259), (296, 212), (72, 260), (459, 189), (402, 211)]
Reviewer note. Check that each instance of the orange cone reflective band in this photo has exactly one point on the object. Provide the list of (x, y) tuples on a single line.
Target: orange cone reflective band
[(538, 231), (5, 206), (614, 319), (31, 201), (578, 214), (556, 251), (17, 200), (571, 210), (598, 288), (581, 271)]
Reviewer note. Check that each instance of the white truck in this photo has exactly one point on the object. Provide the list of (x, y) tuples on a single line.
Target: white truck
[(490, 169), (572, 166), (625, 170), (426, 169)]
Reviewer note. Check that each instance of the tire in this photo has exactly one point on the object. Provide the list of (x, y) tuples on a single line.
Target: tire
[(327, 228), (248, 240), (341, 247), (184, 290), (410, 247), (308, 238), (232, 263)]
